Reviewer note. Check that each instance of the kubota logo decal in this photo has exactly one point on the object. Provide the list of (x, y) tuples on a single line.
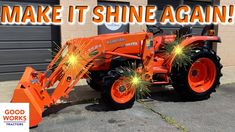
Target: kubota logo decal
[(14, 117), (115, 40)]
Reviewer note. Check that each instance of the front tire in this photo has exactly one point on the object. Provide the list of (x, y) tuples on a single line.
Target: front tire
[(117, 93), (196, 81), (95, 80)]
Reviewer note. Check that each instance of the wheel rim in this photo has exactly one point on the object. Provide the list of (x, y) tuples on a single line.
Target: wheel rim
[(202, 75), (122, 91)]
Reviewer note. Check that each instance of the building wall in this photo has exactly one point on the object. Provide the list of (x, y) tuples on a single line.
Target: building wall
[(226, 50), (69, 31)]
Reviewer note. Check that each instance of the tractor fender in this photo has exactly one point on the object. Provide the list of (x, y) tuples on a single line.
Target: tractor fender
[(194, 40)]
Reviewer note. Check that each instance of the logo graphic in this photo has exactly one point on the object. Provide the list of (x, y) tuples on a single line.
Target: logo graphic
[(14, 117), (113, 26)]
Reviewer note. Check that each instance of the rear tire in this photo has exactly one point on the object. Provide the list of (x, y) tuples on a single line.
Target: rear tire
[(108, 95), (198, 80)]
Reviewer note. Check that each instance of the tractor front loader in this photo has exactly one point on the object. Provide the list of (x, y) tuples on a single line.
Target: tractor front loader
[(102, 60), (71, 64)]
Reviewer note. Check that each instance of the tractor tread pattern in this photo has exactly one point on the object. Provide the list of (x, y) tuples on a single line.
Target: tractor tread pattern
[(179, 75)]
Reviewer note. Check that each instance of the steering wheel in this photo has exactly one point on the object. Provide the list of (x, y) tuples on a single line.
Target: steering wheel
[(154, 29)]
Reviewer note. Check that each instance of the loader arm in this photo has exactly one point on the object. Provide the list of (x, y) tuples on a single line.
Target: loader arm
[(71, 63)]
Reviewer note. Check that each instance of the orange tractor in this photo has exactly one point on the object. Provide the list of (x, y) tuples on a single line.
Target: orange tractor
[(102, 60)]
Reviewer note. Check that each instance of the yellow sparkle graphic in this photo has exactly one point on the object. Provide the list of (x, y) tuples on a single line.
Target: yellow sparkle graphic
[(178, 50), (72, 60), (135, 80)]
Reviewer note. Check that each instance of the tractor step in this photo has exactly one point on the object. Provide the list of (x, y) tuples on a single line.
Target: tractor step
[(160, 70), (158, 83), (160, 78)]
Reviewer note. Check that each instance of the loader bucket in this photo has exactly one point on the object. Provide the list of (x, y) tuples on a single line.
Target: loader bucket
[(26, 92)]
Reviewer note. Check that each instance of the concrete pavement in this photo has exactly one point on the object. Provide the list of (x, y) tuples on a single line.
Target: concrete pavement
[(163, 112), (97, 118)]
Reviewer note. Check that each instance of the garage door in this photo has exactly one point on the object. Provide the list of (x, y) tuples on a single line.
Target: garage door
[(168, 28), (113, 27), (28, 45)]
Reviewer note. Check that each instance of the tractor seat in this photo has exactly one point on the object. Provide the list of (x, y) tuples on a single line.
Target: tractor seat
[(184, 31)]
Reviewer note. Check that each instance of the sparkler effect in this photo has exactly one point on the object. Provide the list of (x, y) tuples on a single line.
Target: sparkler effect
[(181, 54), (72, 60), (178, 50), (134, 78)]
